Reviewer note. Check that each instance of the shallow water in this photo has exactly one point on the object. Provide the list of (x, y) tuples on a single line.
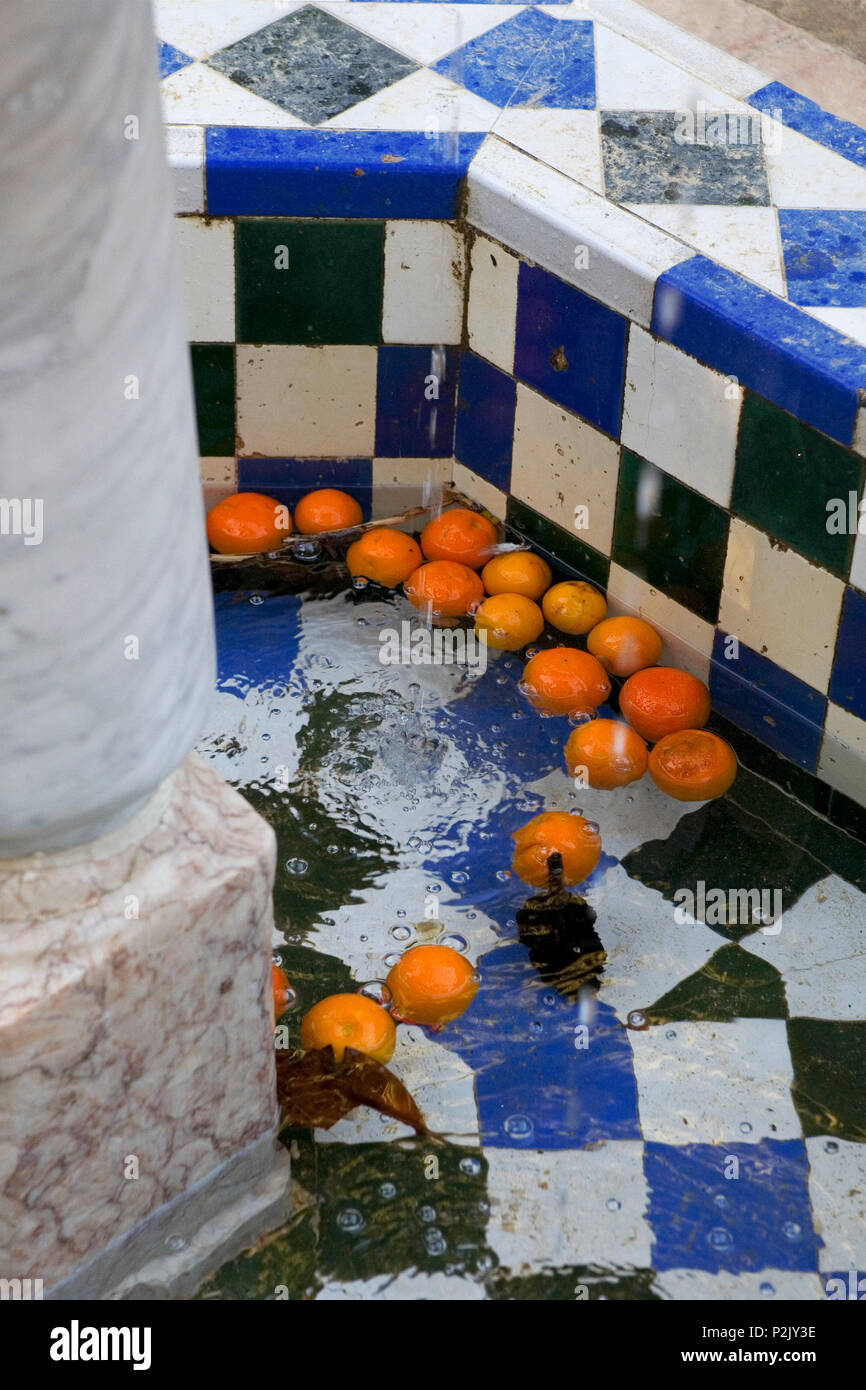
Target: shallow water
[(669, 1136)]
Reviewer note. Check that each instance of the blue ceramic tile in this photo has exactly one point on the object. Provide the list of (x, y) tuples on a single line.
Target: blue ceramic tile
[(530, 60), (807, 117), (170, 58), (825, 256), (767, 701), (848, 681), (759, 1220), (335, 173), (769, 345), (256, 643), (485, 420), (288, 479), (412, 422), (570, 347)]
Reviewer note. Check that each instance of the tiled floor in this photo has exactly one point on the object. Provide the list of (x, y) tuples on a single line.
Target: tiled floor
[(696, 1130), (690, 139)]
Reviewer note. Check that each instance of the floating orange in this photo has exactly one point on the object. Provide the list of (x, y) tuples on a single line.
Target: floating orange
[(431, 984), (386, 556), (281, 987), (693, 765), (611, 754), (661, 699), (624, 645), (556, 832), (573, 606), (350, 1020), (461, 535), (510, 621), (326, 509), (517, 572), (563, 680), (448, 588), (247, 523)]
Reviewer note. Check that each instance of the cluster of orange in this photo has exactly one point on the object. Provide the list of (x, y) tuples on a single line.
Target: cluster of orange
[(249, 523)]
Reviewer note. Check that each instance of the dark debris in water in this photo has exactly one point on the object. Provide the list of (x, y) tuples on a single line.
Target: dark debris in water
[(558, 928), (314, 1090)]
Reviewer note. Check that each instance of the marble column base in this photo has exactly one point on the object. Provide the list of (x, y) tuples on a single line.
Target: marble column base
[(136, 1048)]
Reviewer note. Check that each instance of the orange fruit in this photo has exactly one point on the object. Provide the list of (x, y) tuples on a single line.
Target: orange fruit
[(517, 572), (281, 987), (564, 680), (350, 1020), (693, 765), (612, 754), (624, 645), (448, 588), (247, 523), (573, 606), (461, 535), (510, 621), (431, 984), (326, 509), (554, 832), (661, 699), (385, 556)]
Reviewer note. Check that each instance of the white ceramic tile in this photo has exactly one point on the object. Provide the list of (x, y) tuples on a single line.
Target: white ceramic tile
[(696, 1285), (780, 605), (199, 95), (207, 254), (200, 29), (820, 951), (687, 639), (402, 483), (842, 762), (708, 1080), (409, 1286), (492, 309), (859, 447), (306, 402), (424, 280), (425, 32), (837, 1191), (550, 1209), (850, 322), (586, 241), (219, 479), (660, 36), (681, 416), (478, 489), (560, 463), (184, 147), (425, 101), (743, 239), (804, 174), (630, 77), (648, 952), (566, 140)]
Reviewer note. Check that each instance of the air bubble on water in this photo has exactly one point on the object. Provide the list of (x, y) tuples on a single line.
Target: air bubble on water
[(296, 866), (791, 1229), (459, 877), (332, 849), (413, 843), (629, 801), (503, 875), (501, 680), (256, 599), (362, 622), (720, 1199), (456, 943), (476, 977), (518, 714), (363, 938), (524, 688), (581, 717), (613, 1204), (376, 990), (767, 1290), (535, 1026), (671, 1033), (637, 1019), (433, 888), (264, 760), (359, 582), (531, 652), (328, 921), (266, 738), (549, 1000), (831, 1147), (745, 1127), (593, 827), (387, 1190), (719, 1238), (350, 1220), (391, 959), (484, 1208), (496, 728), (470, 916), (435, 1242), (470, 1166), (401, 933), (401, 912), (427, 1213), (518, 1127)]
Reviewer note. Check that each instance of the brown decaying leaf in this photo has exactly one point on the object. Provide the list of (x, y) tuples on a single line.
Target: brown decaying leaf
[(314, 1090)]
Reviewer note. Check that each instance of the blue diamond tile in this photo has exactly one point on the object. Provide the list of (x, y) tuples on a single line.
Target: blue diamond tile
[(287, 480), (571, 347), (825, 256), (767, 701), (758, 1219), (807, 117), (258, 643), (848, 681), (485, 420), (412, 421), (530, 60), (171, 59)]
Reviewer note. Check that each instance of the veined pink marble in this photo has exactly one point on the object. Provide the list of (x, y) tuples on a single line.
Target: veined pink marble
[(135, 1019)]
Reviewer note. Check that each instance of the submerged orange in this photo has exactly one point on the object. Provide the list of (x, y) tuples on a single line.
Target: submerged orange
[(461, 535), (662, 699), (693, 765), (624, 645), (350, 1020), (510, 621), (564, 680), (326, 509), (386, 556), (431, 984), (556, 832), (449, 589), (573, 606), (247, 523), (517, 572), (611, 754)]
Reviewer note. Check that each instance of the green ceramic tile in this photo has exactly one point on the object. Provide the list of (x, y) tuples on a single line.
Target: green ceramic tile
[(829, 1086), (785, 475), (670, 536), (560, 547), (732, 984), (573, 1283), (309, 282), (213, 375)]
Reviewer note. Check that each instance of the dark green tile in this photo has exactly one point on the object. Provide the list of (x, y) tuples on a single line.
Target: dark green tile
[(562, 549), (829, 1086), (573, 1283), (670, 536), (330, 291), (785, 475), (213, 375), (732, 984)]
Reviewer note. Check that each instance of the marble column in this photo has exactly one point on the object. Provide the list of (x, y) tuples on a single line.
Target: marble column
[(136, 1053)]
